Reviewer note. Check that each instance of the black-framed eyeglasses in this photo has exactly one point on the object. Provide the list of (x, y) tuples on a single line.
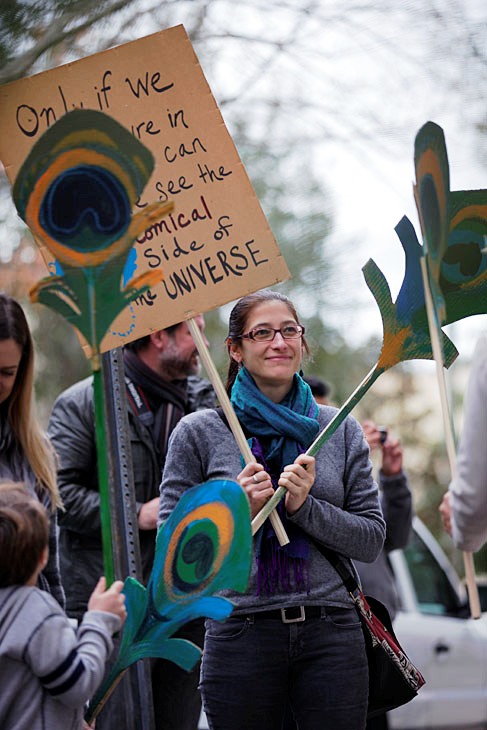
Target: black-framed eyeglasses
[(267, 334)]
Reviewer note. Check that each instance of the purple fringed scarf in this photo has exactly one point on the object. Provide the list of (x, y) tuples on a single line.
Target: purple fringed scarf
[(280, 568)]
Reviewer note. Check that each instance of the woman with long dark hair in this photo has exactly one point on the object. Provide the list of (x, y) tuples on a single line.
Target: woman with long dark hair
[(294, 635), (25, 452)]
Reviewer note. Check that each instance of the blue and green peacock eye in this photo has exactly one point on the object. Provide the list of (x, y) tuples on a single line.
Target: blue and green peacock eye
[(462, 262), (196, 555), (205, 546), (76, 191), (86, 207)]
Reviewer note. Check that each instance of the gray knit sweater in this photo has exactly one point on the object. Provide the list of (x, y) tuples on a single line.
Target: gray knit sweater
[(48, 671), (342, 511)]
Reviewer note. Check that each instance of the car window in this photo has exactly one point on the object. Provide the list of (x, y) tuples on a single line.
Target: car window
[(435, 594)]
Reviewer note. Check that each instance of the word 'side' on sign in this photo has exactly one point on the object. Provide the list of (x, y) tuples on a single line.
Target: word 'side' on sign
[(216, 245)]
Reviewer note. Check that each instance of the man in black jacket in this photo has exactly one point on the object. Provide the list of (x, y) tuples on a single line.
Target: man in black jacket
[(162, 385)]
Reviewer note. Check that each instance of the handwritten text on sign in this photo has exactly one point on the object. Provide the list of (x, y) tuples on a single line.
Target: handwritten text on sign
[(216, 245)]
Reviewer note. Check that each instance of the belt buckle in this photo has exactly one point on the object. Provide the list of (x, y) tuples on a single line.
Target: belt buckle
[(301, 617)]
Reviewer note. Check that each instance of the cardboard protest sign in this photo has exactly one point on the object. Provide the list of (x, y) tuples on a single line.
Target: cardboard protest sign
[(216, 245)]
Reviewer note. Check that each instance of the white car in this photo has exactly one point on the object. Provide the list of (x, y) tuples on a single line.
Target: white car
[(435, 630), (439, 636)]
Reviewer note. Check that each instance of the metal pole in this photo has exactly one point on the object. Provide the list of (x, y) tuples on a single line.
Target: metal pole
[(135, 688)]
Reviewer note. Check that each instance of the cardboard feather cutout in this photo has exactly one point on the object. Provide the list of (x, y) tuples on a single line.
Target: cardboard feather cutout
[(454, 263), (454, 227), (203, 547), (76, 190), (405, 337), (431, 193), (405, 323)]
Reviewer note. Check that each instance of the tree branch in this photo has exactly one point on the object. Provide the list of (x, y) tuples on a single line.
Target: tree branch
[(56, 33)]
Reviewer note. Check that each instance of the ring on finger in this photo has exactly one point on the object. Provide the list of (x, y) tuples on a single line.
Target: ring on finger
[(255, 479)]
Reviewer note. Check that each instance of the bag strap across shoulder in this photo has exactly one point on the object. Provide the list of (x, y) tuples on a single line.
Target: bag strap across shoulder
[(340, 566)]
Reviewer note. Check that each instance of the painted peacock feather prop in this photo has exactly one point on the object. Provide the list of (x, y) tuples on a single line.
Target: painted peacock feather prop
[(76, 191), (454, 269), (203, 547), (454, 226)]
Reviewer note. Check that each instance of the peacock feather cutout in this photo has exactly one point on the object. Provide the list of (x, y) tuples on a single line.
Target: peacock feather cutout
[(405, 323), (454, 227), (201, 549), (76, 190)]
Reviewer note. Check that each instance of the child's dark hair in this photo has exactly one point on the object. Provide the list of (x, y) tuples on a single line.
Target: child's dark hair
[(24, 533)]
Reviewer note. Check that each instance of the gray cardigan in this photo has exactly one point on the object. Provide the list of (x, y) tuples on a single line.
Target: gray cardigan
[(48, 671), (342, 510)]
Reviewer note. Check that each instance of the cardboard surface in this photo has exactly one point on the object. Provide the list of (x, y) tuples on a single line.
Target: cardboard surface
[(216, 245)]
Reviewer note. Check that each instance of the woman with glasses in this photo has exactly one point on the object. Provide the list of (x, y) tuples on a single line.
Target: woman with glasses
[(25, 453), (294, 635)]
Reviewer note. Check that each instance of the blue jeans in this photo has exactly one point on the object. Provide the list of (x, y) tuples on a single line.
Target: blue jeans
[(252, 667)]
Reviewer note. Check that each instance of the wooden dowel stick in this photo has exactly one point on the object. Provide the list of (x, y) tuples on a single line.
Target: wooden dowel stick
[(473, 591), (232, 419)]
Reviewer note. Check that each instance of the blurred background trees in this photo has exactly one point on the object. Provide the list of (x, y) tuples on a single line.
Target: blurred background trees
[(306, 88)]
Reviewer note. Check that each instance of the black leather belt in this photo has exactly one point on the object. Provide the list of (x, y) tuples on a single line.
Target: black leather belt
[(291, 615)]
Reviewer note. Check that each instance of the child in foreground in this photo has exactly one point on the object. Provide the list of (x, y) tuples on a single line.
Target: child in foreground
[(48, 670)]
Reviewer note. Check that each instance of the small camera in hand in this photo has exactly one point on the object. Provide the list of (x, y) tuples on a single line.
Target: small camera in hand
[(383, 434)]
